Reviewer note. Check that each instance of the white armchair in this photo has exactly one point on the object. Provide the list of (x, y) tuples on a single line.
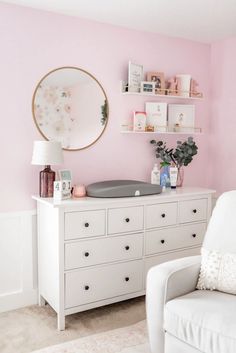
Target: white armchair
[(182, 319)]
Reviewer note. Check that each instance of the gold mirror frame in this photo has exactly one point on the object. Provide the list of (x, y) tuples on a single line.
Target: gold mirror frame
[(107, 105)]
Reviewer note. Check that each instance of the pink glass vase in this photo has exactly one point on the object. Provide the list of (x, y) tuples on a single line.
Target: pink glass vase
[(180, 177)]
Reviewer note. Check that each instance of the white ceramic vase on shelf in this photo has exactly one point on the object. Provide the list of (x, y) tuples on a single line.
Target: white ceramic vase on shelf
[(184, 84)]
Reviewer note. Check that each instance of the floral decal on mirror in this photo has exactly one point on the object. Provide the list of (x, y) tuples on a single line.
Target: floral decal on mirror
[(53, 112), (70, 106)]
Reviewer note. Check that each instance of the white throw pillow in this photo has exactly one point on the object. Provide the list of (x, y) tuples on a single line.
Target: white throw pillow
[(218, 271)]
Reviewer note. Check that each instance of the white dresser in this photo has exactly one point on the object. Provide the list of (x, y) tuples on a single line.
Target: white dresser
[(93, 252)]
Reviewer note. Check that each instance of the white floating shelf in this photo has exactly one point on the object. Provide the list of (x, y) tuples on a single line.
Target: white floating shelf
[(164, 96), (162, 132)]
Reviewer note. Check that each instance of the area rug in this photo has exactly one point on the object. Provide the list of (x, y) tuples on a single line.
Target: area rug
[(130, 339)]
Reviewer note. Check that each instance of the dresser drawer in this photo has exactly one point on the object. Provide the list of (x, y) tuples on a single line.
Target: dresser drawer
[(98, 251), (193, 210), (84, 224), (90, 285), (125, 219), (174, 238), (161, 215), (157, 260)]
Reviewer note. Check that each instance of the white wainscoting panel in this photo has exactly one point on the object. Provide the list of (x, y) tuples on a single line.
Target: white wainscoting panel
[(18, 260)]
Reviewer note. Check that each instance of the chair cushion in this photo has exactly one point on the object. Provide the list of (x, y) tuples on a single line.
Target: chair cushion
[(205, 320)]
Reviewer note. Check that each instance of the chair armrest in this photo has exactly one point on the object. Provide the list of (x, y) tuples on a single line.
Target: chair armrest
[(165, 282)]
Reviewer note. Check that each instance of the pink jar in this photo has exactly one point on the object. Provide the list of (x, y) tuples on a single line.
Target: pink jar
[(79, 190)]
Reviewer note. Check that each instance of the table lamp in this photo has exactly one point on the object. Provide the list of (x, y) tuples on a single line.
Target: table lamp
[(47, 153)]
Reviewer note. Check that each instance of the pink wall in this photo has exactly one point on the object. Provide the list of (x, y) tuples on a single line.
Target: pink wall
[(34, 42), (222, 151)]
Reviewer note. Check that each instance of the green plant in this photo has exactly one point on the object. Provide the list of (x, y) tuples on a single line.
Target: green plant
[(104, 112), (182, 155)]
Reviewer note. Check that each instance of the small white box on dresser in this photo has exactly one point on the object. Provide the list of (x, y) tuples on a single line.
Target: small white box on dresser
[(93, 252)]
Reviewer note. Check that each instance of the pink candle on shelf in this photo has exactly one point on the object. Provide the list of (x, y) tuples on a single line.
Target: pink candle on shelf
[(79, 190)]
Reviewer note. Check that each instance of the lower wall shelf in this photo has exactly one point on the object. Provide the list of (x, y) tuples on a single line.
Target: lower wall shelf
[(163, 132)]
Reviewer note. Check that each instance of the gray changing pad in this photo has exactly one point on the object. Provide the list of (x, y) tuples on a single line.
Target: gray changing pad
[(122, 188)]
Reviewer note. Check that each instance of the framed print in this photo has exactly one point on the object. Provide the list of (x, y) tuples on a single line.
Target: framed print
[(135, 76), (157, 116), (64, 174), (147, 87), (181, 117), (159, 79), (140, 120)]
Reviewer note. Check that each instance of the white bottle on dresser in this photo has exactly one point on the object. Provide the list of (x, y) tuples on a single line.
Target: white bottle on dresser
[(155, 175)]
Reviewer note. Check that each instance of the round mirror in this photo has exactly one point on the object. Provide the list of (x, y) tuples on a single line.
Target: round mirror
[(69, 105)]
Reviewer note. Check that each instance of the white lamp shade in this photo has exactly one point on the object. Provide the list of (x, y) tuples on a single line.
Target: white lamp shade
[(47, 153)]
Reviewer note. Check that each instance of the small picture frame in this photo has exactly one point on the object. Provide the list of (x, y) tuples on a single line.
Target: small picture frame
[(135, 76), (64, 174), (159, 80), (147, 87), (181, 117), (140, 120)]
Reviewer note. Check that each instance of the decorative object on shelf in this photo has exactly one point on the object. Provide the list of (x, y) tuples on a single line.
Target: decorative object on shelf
[(62, 190), (172, 87), (183, 84), (62, 108), (127, 127), (135, 76), (157, 115), (181, 156), (177, 127), (149, 128), (147, 87), (193, 89), (181, 117), (64, 174), (47, 153), (79, 190), (140, 119), (159, 79)]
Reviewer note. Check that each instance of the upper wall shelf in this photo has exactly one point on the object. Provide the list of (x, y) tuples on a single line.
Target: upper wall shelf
[(160, 96), (123, 87)]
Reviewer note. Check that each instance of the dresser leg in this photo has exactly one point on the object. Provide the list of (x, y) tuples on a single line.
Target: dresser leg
[(42, 301), (60, 322)]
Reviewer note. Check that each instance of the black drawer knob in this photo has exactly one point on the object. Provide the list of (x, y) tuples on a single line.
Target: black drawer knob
[(195, 211), (127, 247), (162, 241), (163, 215), (194, 235), (126, 279), (86, 287), (86, 254), (86, 225), (127, 220)]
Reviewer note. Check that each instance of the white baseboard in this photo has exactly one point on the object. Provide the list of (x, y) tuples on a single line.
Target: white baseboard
[(18, 300)]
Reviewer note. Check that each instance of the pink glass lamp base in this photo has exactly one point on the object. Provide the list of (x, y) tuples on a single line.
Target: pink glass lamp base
[(46, 180)]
